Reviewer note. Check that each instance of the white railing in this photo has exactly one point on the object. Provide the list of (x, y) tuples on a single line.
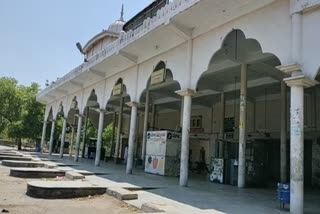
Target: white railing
[(163, 16)]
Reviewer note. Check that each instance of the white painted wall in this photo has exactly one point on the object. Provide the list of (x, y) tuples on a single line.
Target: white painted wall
[(176, 62), (310, 42), (303, 5), (270, 26)]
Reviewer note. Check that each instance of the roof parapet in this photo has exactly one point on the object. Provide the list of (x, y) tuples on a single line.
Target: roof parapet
[(163, 15)]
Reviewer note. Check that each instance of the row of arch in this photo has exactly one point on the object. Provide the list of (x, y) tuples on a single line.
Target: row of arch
[(235, 47), (64, 108)]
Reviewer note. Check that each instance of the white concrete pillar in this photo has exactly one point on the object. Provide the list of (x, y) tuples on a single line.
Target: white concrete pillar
[(181, 113), (297, 83), (283, 134), (184, 164), (116, 152), (84, 136), (296, 123), (113, 131), (145, 127), (51, 136), (242, 127), (132, 136), (297, 149), (76, 155), (99, 138), (137, 136), (63, 136), (221, 133), (71, 140), (254, 111), (43, 137), (153, 118)]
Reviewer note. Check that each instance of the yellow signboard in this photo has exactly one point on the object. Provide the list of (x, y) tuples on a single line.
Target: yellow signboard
[(117, 89), (158, 76)]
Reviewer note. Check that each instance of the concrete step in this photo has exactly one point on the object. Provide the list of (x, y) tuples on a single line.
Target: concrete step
[(122, 194), (151, 208), (10, 151), (35, 173), (50, 165), (63, 189), (11, 154), (25, 164), (5, 157), (74, 175)]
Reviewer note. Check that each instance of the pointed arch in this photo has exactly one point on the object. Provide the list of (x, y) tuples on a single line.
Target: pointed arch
[(167, 79), (237, 49), (49, 114), (118, 90)]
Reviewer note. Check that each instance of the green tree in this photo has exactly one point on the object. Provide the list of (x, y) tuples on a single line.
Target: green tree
[(15, 130), (91, 132), (20, 114), (106, 136), (32, 115), (10, 105)]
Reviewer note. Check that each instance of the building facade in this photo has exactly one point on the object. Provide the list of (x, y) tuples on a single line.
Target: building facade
[(235, 78)]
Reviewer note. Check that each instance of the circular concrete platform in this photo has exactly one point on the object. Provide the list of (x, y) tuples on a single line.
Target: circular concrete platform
[(35, 173), (63, 189), (25, 164)]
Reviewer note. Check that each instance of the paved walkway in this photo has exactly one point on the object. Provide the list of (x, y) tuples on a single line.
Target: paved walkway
[(200, 195), (14, 200)]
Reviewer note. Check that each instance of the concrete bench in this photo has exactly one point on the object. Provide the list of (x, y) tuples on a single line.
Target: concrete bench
[(25, 164), (122, 194), (50, 165), (63, 189), (35, 173), (11, 154), (5, 157), (74, 175), (150, 208)]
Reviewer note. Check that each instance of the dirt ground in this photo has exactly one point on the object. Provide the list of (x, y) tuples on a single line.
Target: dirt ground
[(14, 200)]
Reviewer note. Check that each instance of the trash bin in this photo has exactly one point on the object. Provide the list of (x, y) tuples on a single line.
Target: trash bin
[(38, 149), (283, 194)]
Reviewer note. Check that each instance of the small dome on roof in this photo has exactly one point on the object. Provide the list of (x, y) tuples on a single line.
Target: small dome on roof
[(117, 26)]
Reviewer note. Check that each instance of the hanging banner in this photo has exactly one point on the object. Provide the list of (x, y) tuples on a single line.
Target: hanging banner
[(117, 89), (158, 76)]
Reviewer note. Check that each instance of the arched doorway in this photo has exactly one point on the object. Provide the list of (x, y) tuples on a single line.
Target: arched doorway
[(242, 90), (72, 119), (46, 130), (162, 116), (119, 115)]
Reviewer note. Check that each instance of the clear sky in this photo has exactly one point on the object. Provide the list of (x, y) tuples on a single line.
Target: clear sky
[(38, 37)]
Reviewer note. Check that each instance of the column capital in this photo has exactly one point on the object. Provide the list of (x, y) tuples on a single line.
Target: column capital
[(102, 110), (289, 69), (79, 115), (186, 92), (300, 81), (131, 104)]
